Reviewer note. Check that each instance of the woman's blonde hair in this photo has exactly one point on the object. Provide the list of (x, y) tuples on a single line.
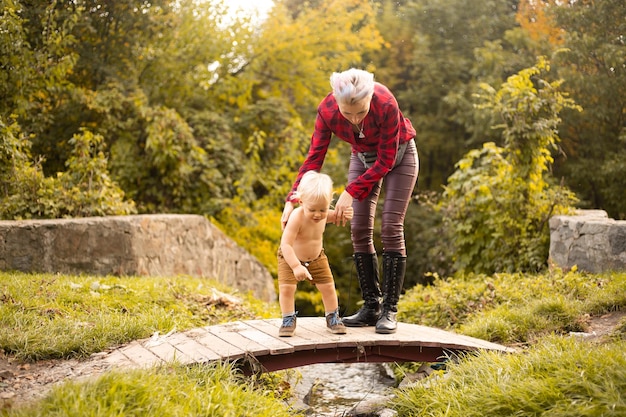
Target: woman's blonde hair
[(352, 86), (314, 186)]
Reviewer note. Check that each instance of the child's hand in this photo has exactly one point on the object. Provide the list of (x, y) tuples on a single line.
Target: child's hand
[(343, 209), (348, 213), (345, 217), (302, 274)]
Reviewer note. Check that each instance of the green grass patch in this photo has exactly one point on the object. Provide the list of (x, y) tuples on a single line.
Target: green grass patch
[(46, 316), (56, 316), (168, 391), (514, 308), (558, 377)]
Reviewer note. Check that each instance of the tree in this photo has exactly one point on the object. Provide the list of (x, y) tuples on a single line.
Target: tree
[(84, 189), (498, 202), (593, 64), (435, 89), (36, 64), (536, 19), (299, 49)]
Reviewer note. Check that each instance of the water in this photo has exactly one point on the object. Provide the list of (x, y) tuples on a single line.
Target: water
[(331, 390)]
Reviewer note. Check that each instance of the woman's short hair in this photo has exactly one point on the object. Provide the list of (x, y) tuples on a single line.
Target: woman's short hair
[(352, 85), (314, 186)]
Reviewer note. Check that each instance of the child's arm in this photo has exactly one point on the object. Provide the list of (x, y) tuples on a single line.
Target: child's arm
[(347, 216), (286, 246)]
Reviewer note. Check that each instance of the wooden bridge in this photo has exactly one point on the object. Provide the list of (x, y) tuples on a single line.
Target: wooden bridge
[(255, 343)]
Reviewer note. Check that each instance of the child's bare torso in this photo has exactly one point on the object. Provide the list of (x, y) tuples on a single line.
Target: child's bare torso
[(309, 240)]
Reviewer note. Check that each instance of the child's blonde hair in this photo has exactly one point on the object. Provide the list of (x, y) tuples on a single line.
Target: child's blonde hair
[(314, 186)]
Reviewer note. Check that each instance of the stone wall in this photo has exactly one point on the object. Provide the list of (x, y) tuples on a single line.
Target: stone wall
[(589, 240), (144, 245)]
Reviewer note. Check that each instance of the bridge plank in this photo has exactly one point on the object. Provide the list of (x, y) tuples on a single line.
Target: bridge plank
[(273, 343), (230, 332), (226, 350), (304, 339), (140, 355), (169, 353), (197, 352), (329, 340)]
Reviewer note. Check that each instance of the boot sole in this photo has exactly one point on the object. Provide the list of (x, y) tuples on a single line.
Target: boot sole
[(385, 331), (357, 324)]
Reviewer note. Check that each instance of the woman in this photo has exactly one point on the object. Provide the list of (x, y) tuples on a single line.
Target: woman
[(365, 114)]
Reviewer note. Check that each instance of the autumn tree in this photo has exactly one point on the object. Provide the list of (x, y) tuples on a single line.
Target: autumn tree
[(536, 19)]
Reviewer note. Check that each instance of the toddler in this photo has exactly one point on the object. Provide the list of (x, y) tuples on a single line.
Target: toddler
[(301, 254)]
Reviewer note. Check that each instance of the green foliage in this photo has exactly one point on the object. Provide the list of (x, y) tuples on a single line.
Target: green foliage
[(430, 61), (300, 48), (34, 44), (21, 179), (196, 107), (620, 331), (257, 231), (448, 303), (527, 323), (46, 316), (174, 390), (498, 202), (557, 377), (273, 144), (591, 61), (514, 308), (84, 189)]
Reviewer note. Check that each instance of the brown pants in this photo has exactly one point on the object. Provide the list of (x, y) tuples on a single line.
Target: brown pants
[(318, 268), (398, 185)]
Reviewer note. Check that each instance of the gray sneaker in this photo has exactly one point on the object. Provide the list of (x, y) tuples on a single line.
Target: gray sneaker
[(288, 328), (334, 323)]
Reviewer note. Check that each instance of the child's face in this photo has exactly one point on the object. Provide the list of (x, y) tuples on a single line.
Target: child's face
[(316, 210)]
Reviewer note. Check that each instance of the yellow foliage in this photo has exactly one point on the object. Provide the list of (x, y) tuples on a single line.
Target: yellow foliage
[(533, 16), (298, 53)]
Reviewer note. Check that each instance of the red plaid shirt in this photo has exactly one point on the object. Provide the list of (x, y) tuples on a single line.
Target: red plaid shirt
[(384, 127)]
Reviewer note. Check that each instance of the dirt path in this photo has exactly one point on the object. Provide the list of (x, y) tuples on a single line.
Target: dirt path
[(25, 382)]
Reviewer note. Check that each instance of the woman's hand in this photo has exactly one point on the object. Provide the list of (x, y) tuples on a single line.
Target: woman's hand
[(343, 209), (348, 213), (286, 213)]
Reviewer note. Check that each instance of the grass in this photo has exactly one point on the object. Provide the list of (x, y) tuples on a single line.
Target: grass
[(47, 316), (557, 377), (172, 391), (55, 316), (514, 308)]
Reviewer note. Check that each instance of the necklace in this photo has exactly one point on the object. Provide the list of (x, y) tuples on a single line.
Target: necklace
[(361, 134)]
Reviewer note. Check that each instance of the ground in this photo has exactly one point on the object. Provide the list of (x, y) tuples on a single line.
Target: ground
[(24, 382)]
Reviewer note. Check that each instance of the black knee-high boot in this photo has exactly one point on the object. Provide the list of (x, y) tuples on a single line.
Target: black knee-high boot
[(367, 273), (394, 268)]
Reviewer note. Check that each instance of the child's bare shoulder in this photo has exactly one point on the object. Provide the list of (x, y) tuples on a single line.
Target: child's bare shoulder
[(297, 212), (295, 218)]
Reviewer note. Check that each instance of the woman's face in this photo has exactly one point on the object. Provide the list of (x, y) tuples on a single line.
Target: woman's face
[(355, 112)]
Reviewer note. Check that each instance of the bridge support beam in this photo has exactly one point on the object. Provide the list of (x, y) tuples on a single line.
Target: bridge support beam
[(359, 354)]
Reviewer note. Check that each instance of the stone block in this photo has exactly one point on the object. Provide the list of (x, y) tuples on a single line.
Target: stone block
[(589, 240), (142, 245)]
